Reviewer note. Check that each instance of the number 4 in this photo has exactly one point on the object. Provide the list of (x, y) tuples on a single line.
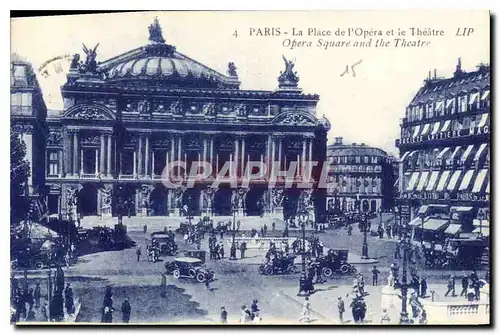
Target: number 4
[(235, 34)]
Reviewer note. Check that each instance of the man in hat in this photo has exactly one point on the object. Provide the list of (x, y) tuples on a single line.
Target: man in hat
[(375, 273), (415, 304), (223, 315), (126, 309), (451, 286), (306, 311), (423, 287), (465, 285), (341, 308)]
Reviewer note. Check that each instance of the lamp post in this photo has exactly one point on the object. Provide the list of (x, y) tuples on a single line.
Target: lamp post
[(232, 251), (364, 225), (405, 244), (422, 230), (480, 217), (304, 282)]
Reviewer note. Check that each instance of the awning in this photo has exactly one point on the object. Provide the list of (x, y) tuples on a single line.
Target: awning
[(488, 187), (397, 181), (415, 222), (473, 98), (449, 102), (434, 224), (446, 126), (483, 120), (452, 157), (461, 209), (432, 181), (464, 185), (408, 154), (425, 130), (442, 153), (423, 210), (478, 183), (467, 152), (486, 94), (452, 229), (483, 230), (439, 106), (443, 180), (422, 180), (413, 181), (416, 131), (480, 151), (483, 223), (453, 180), (435, 128)]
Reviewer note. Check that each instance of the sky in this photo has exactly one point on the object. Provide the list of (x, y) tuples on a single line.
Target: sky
[(365, 108)]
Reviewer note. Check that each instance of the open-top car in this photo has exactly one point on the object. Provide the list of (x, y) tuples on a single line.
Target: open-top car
[(189, 267)]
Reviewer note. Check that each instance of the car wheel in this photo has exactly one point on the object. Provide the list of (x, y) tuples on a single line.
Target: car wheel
[(261, 269), (327, 272), (292, 269), (14, 265), (344, 268), (268, 270), (200, 277), (177, 274), (39, 265), (353, 269), (192, 273)]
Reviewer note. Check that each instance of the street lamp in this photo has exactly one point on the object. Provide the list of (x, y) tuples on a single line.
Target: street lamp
[(406, 245), (364, 225), (304, 281), (422, 230), (232, 252)]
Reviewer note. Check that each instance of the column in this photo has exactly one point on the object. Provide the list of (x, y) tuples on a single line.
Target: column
[(303, 163), (135, 163), (280, 145), (310, 156), (211, 150), (67, 152), (205, 149), (261, 164), (172, 148), (101, 158), (179, 151), (139, 170), (81, 161), (236, 156), (96, 168), (76, 150), (152, 163), (242, 168), (60, 163), (146, 159), (273, 156), (109, 170)]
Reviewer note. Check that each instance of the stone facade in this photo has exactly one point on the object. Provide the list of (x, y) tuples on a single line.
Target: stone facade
[(128, 117)]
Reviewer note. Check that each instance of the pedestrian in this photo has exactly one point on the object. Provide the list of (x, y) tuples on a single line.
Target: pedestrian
[(138, 253), (207, 282), (423, 287), (246, 315), (361, 309), (45, 317), (341, 309), (145, 228), (163, 285), (451, 286), (254, 308), (415, 304), (243, 247), (238, 224), (223, 315), (380, 231), (375, 273), (385, 318), (465, 285), (349, 229), (388, 231), (423, 318), (477, 288), (68, 298), (126, 309), (306, 311), (30, 300), (37, 295), (470, 293), (273, 226), (397, 251)]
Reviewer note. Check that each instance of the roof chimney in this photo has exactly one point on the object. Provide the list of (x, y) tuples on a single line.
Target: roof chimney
[(429, 76), (362, 144), (458, 70), (435, 74), (354, 144), (338, 140)]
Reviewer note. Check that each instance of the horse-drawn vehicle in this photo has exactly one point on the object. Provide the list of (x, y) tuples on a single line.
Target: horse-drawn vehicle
[(336, 261), (279, 264)]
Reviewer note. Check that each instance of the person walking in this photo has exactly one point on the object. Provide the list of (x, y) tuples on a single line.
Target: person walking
[(306, 311), (465, 285), (126, 309), (385, 318), (246, 315), (397, 251), (349, 229), (138, 253), (451, 286), (223, 315), (375, 273), (145, 228), (415, 304), (68, 297), (37, 295), (341, 309), (30, 300), (254, 308), (423, 287), (243, 247), (423, 318), (273, 226), (388, 231)]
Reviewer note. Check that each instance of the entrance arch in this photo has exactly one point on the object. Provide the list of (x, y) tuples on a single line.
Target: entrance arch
[(254, 202), (87, 200), (222, 202), (158, 201), (191, 201), (290, 203), (373, 206), (365, 206)]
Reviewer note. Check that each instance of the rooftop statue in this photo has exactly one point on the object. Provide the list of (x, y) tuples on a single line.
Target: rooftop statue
[(90, 65), (231, 70), (155, 34), (288, 78)]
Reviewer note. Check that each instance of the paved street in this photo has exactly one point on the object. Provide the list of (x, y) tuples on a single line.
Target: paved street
[(237, 283)]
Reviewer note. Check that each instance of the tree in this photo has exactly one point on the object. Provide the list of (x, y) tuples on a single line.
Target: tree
[(19, 174)]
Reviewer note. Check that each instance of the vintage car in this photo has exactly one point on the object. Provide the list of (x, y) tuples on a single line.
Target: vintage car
[(189, 267), (336, 261), (164, 243), (279, 264)]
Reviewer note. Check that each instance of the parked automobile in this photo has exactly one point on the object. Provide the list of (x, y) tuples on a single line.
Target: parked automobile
[(189, 267)]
